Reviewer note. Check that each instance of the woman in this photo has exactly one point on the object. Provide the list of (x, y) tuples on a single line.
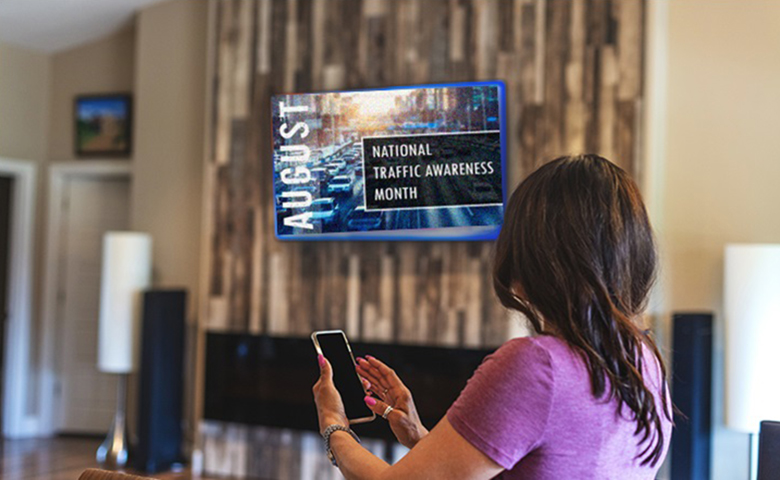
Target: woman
[(584, 398)]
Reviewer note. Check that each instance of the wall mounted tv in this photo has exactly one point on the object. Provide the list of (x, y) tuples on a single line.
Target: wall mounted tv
[(404, 163)]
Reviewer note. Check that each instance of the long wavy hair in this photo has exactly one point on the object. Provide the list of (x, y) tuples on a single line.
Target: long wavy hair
[(576, 256)]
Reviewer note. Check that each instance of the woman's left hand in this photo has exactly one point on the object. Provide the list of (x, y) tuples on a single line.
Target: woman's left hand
[(330, 408)]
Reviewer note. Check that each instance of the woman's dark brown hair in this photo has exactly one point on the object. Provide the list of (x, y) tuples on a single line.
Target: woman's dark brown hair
[(576, 256)]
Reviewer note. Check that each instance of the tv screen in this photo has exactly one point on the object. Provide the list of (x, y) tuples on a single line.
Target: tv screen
[(421, 162)]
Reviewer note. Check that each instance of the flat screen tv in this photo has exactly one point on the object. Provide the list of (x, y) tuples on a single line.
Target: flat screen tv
[(406, 163)]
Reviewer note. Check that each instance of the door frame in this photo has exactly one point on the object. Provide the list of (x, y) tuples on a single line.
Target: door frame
[(17, 421), (59, 174)]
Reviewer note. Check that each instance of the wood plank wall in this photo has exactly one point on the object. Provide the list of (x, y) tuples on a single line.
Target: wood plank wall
[(573, 71)]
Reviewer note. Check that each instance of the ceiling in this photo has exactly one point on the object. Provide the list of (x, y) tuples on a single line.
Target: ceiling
[(54, 25)]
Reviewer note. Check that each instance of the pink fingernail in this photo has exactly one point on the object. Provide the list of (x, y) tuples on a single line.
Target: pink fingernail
[(369, 356), (360, 358), (321, 359), (370, 401)]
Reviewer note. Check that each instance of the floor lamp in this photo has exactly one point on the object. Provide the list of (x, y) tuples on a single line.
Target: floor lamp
[(752, 320), (126, 272)]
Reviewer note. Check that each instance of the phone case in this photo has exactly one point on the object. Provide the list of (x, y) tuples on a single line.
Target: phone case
[(349, 349)]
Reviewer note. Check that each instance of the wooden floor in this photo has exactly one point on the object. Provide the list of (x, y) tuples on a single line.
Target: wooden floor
[(61, 458)]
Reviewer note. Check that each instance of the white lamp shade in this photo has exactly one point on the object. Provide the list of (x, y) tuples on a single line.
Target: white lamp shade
[(127, 267), (752, 318)]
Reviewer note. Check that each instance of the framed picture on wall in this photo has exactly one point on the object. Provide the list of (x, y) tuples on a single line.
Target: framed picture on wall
[(103, 125)]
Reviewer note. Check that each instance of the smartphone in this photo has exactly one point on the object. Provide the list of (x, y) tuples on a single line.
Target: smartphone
[(334, 346)]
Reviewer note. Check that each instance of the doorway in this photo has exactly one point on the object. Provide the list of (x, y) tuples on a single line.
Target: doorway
[(17, 219), (86, 201), (91, 207), (6, 207)]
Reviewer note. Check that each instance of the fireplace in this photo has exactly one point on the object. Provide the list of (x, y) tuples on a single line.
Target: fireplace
[(266, 381)]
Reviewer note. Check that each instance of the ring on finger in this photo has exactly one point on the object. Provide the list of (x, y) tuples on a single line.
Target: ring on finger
[(387, 412)]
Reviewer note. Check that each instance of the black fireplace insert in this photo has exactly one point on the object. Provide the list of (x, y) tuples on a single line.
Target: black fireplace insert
[(266, 380)]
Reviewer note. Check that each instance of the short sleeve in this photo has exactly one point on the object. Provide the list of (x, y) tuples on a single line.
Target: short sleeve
[(504, 408)]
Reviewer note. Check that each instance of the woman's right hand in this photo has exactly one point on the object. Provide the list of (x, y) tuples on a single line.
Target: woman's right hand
[(390, 390)]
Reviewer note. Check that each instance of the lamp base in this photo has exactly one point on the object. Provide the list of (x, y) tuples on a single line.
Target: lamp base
[(112, 453), (753, 472)]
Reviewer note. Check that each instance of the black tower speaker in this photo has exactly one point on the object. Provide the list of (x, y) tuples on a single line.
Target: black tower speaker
[(692, 394), (161, 380), (768, 450)]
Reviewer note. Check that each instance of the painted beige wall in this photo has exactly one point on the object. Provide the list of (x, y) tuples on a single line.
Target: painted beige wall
[(25, 77), (24, 103), (104, 66), (718, 181), (162, 60), (166, 195), (169, 124)]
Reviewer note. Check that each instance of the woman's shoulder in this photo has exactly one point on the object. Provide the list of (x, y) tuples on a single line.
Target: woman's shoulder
[(567, 363), (520, 362), (525, 351), (547, 349), (560, 352)]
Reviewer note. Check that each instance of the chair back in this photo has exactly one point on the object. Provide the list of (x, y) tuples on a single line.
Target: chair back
[(97, 474)]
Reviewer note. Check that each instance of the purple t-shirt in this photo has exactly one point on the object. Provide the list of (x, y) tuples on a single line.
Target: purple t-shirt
[(529, 407)]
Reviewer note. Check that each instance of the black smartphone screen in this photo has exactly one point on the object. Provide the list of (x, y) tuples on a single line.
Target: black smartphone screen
[(345, 377)]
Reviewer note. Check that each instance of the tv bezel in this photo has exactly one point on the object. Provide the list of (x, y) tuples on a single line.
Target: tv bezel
[(478, 233)]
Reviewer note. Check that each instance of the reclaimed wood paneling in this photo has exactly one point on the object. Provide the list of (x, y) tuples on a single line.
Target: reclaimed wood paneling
[(573, 71)]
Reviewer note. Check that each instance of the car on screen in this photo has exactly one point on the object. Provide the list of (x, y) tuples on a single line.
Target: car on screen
[(482, 192), (324, 209), (361, 220), (335, 168), (313, 190), (320, 175), (340, 184)]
